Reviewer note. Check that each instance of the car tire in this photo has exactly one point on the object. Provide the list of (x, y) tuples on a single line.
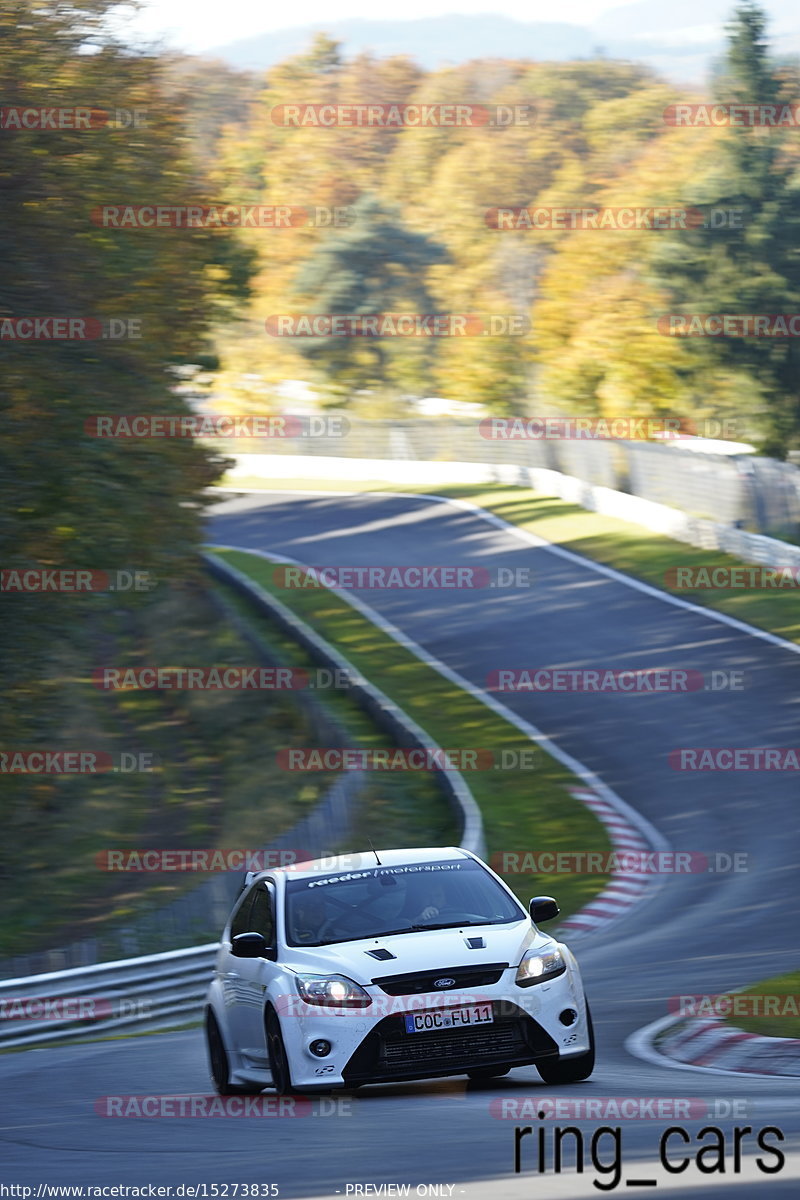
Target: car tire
[(482, 1073), (278, 1058), (570, 1070), (218, 1063)]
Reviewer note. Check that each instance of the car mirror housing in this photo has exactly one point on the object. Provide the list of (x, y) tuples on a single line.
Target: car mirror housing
[(250, 945), (543, 908)]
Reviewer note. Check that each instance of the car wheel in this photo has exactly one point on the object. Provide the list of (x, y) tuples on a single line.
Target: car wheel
[(278, 1059), (570, 1070), (481, 1073), (218, 1062)]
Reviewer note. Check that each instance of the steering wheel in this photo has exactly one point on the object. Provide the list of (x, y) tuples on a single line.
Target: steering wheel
[(448, 911), (325, 928)]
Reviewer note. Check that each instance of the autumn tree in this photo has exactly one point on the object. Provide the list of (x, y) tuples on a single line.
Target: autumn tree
[(752, 264), (375, 266), (67, 498)]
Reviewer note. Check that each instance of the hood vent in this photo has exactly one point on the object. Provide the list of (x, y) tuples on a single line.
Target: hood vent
[(381, 955), (475, 943)]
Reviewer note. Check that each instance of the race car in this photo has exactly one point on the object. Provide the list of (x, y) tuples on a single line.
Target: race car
[(391, 965)]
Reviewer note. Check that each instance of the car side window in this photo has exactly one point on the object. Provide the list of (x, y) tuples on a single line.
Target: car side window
[(262, 914), (241, 919)]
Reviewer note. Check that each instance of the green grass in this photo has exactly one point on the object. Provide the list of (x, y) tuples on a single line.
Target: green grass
[(619, 544), (392, 808), (523, 809), (787, 1023)]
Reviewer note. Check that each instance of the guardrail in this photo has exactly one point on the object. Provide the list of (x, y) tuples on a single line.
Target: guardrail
[(199, 912), (159, 991), (151, 992), (383, 711)]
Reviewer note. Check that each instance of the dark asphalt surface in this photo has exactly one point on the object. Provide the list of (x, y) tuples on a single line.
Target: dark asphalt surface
[(698, 933)]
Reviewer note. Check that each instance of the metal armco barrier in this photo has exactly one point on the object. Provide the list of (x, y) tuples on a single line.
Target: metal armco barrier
[(160, 991), (200, 911), (151, 992), (383, 711), (746, 490)]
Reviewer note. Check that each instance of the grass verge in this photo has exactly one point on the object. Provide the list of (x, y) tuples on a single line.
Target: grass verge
[(779, 999), (392, 808)]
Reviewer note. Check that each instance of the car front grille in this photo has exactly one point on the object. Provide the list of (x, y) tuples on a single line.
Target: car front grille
[(388, 1052), (448, 1046), (417, 982)]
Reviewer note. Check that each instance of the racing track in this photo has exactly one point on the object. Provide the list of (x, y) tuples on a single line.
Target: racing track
[(698, 933)]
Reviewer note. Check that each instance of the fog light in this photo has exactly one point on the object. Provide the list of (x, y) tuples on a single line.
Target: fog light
[(568, 1016), (320, 1048)]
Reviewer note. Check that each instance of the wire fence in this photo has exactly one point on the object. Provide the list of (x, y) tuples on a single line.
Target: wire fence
[(744, 490)]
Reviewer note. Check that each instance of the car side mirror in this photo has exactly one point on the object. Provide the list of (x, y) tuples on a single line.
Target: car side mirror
[(251, 945), (542, 908)]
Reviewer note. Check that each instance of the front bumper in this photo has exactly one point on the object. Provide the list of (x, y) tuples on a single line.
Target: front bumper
[(371, 1045), (389, 1053)]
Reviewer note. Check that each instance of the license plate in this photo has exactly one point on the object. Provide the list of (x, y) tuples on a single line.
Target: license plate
[(449, 1018)]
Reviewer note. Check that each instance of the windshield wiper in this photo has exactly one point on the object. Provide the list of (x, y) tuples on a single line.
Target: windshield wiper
[(367, 937), (451, 925), (384, 933)]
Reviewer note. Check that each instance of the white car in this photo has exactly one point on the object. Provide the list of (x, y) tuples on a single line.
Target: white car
[(391, 965)]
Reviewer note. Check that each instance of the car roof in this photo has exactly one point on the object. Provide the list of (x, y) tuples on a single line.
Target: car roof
[(363, 860)]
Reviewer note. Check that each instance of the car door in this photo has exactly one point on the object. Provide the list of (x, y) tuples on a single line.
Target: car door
[(253, 975), (230, 976)]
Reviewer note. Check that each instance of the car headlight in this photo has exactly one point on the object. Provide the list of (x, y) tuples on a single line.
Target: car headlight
[(539, 965), (335, 991)]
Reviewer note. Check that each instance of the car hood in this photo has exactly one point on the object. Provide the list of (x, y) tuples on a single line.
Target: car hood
[(427, 950)]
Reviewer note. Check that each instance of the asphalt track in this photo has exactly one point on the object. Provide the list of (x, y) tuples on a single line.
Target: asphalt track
[(699, 933)]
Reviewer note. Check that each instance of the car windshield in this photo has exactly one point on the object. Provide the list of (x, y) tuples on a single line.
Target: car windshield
[(378, 901)]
